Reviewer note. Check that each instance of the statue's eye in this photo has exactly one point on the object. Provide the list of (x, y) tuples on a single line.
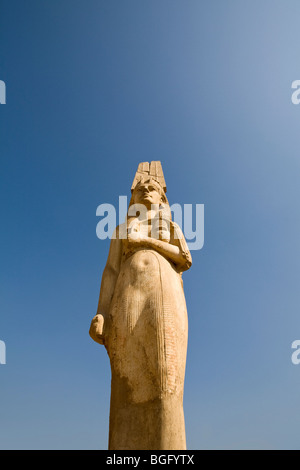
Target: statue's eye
[(151, 188)]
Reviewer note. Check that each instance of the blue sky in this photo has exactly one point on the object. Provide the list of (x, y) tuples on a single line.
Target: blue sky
[(93, 88)]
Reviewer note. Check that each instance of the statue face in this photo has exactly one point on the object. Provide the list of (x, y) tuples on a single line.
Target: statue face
[(147, 194)]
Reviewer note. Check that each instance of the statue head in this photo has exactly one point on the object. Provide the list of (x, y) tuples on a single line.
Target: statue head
[(148, 191)]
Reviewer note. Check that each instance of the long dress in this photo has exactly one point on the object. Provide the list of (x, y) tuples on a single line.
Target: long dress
[(147, 345)]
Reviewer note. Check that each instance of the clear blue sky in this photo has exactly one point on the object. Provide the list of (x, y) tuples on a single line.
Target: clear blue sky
[(93, 88)]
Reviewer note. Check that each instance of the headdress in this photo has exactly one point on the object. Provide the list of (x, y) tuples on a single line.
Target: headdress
[(146, 171)]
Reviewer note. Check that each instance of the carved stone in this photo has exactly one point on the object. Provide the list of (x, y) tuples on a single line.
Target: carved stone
[(142, 322)]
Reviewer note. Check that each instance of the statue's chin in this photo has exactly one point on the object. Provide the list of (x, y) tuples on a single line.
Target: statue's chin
[(147, 203)]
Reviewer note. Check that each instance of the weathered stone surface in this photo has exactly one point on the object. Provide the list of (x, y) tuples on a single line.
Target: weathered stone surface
[(142, 322)]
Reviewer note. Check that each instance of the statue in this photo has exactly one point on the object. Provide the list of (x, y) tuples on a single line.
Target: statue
[(142, 321)]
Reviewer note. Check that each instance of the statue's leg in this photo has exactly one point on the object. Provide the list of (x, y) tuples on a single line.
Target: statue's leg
[(152, 425)]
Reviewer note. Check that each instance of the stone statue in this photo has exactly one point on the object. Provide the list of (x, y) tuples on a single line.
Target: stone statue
[(142, 321)]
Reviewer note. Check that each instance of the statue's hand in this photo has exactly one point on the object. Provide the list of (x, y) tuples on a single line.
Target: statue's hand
[(134, 239), (96, 328)]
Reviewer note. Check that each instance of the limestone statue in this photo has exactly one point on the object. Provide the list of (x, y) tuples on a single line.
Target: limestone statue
[(142, 321)]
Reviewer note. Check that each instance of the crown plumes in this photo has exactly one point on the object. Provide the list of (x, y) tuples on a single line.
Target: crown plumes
[(152, 170)]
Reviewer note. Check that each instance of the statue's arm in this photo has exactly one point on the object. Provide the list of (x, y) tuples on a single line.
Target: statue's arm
[(176, 250), (98, 326), (177, 238)]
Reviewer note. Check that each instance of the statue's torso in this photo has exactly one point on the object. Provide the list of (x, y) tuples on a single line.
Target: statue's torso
[(148, 326)]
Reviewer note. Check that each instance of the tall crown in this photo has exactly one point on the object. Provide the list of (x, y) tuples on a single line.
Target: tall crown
[(153, 170)]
